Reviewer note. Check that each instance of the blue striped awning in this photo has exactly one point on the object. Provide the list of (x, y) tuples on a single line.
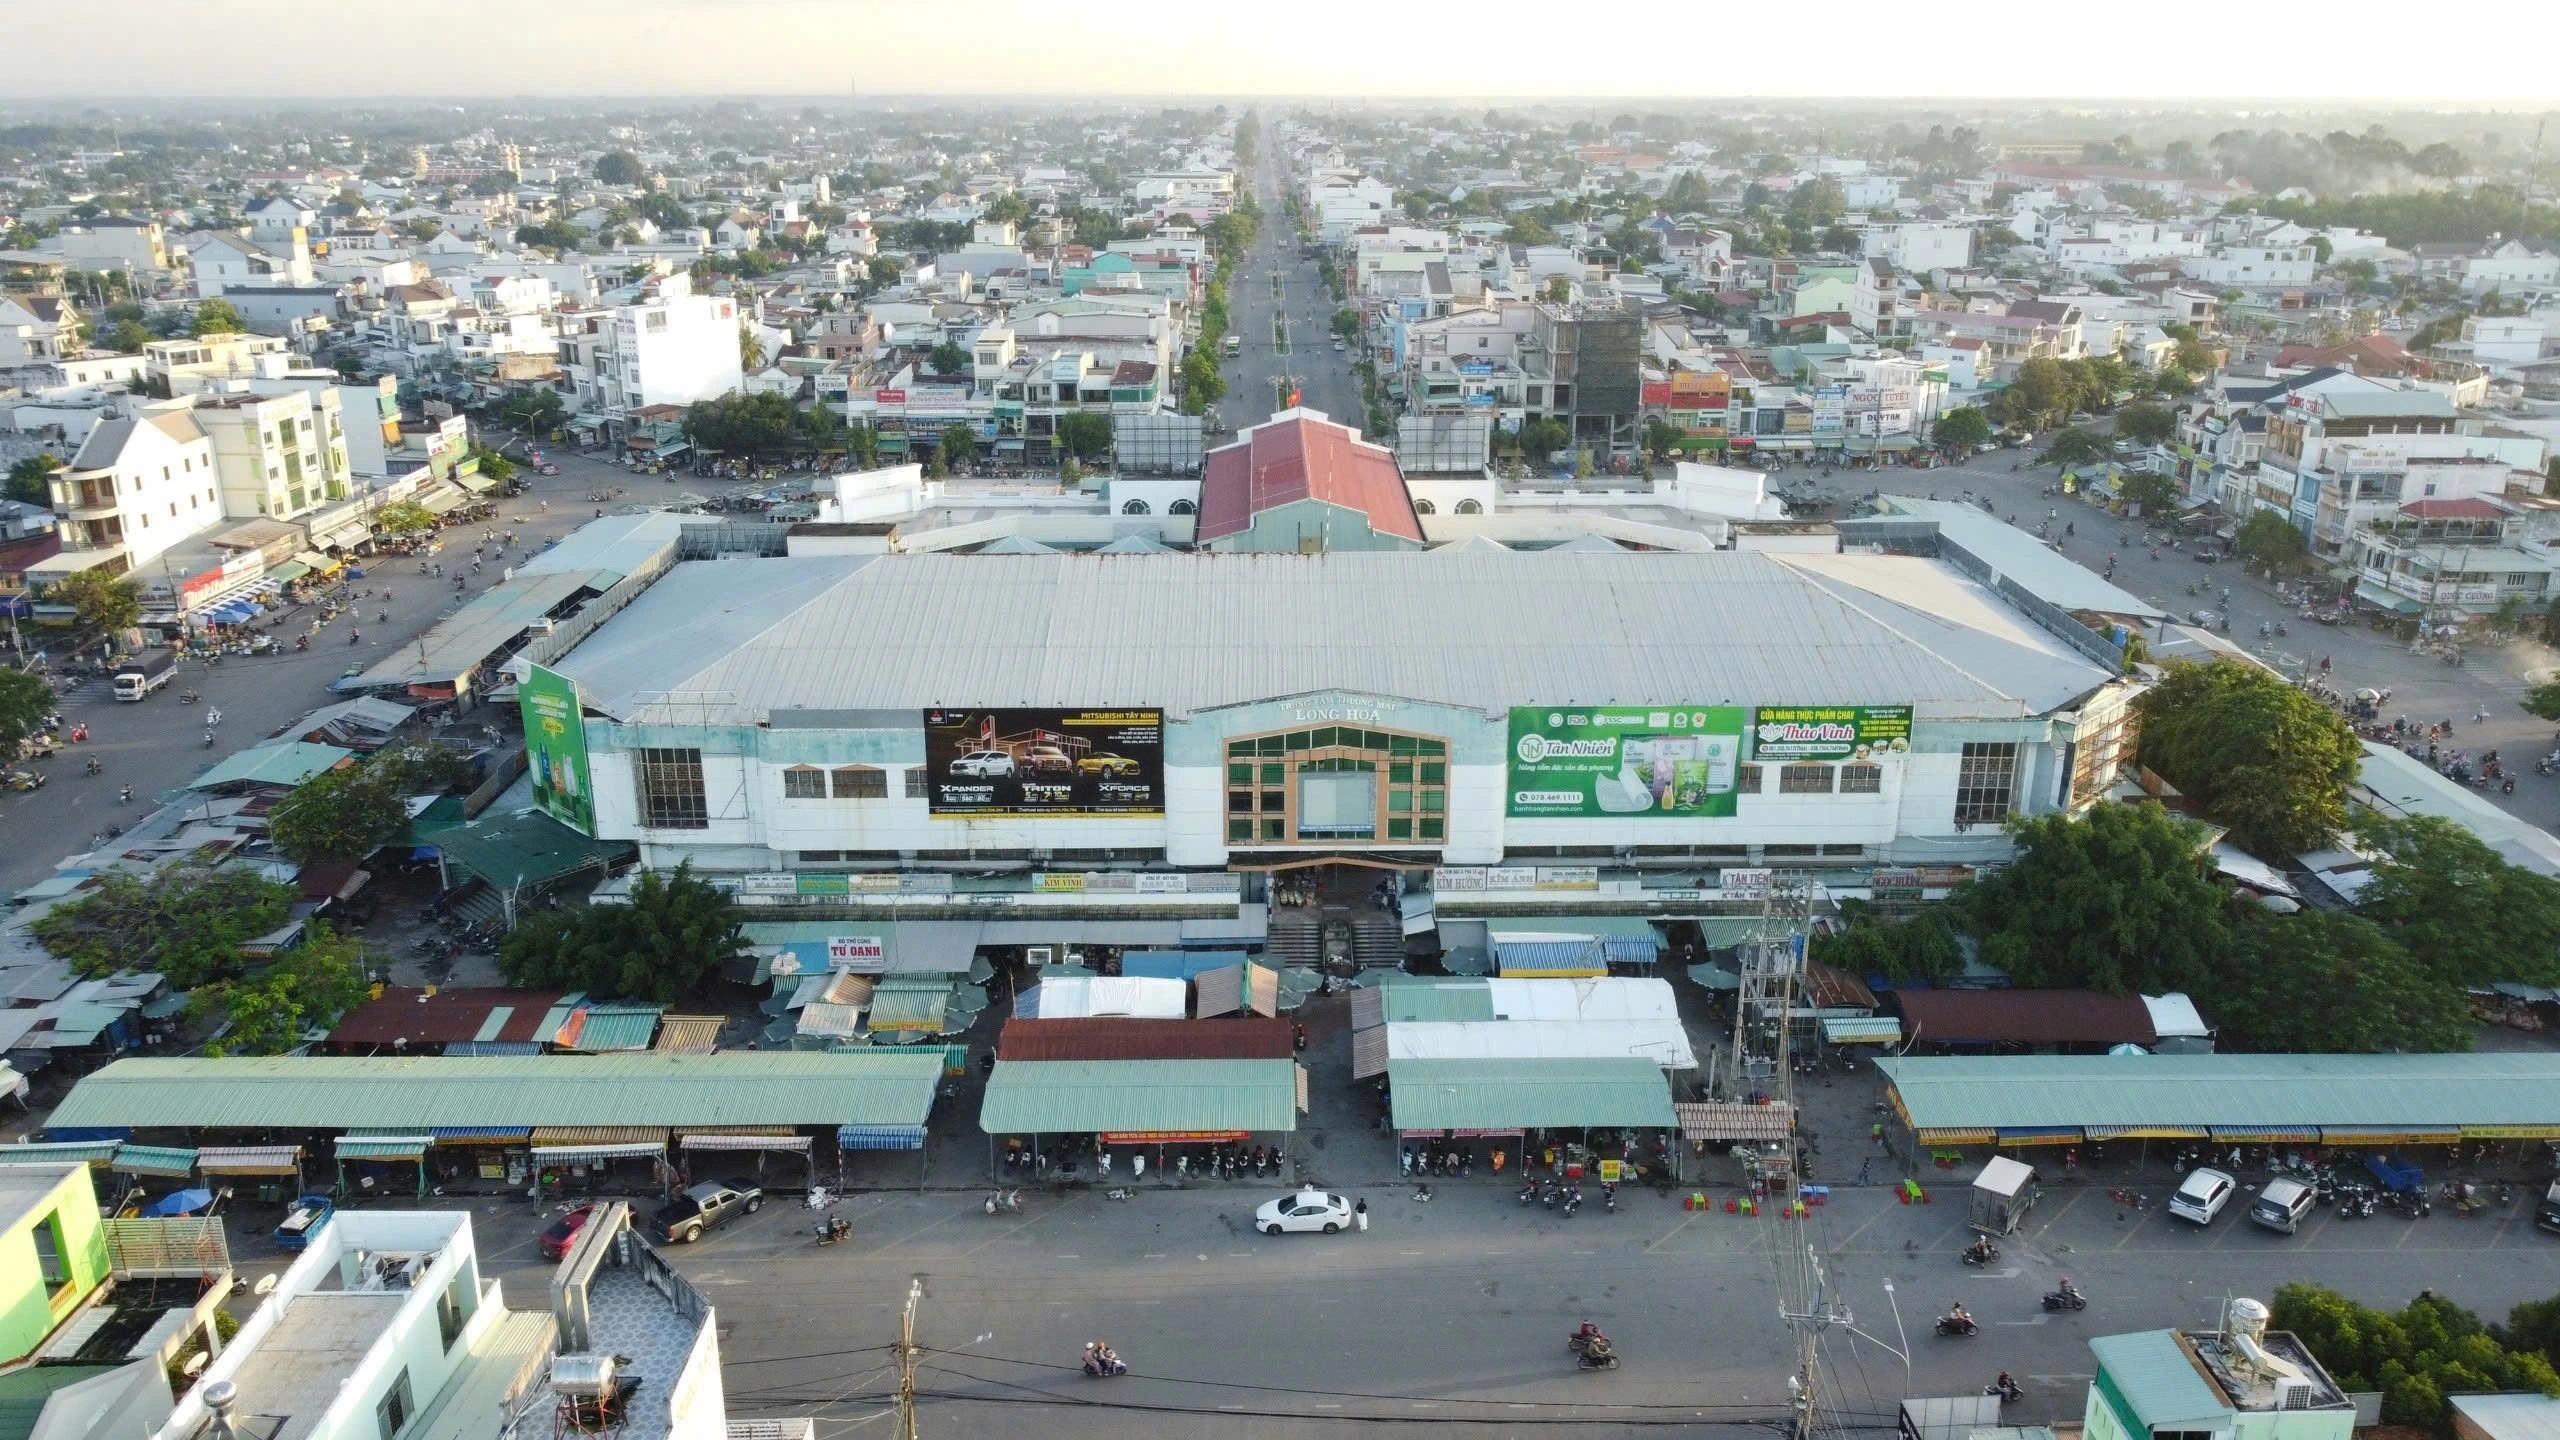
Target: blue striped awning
[(491, 1047), (473, 1134), (2040, 1135), (880, 1137), (2267, 1134)]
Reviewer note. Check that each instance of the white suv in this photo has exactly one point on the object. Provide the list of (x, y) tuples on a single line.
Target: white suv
[(995, 763), (2202, 1195)]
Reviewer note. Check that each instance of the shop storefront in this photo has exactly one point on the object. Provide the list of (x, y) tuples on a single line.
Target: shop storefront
[(587, 1160)]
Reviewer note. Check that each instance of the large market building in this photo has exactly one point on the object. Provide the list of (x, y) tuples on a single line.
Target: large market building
[(1475, 709)]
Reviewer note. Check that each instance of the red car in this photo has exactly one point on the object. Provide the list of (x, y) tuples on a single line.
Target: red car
[(560, 1234)]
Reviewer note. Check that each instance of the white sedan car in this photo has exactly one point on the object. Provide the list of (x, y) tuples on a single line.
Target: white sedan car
[(1306, 1210)]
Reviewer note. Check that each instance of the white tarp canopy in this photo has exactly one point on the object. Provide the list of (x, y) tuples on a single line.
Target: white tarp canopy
[(1587, 999), (1664, 1042), (2174, 1014), (1080, 997), (2003, 1176)]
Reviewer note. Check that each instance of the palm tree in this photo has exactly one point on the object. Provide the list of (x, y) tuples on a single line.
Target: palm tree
[(750, 349)]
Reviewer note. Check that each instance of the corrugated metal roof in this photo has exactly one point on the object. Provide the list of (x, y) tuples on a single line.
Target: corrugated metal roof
[(2024, 1017), (2511, 1417), (1219, 991), (286, 765), (1118, 1039), (1406, 1001), (1508, 1094), (401, 1013), (331, 1093), (688, 1034), (1507, 626), (831, 1021), (59, 1152), (907, 1009), (2159, 1379), (2030, 1091), (1735, 1120), (601, 1028), (1078, 1097)]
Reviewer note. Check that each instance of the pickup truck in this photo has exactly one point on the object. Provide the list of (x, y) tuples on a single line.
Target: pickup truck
[(2546, 1216), (303, 1219), (707, 1206), (144, 673)]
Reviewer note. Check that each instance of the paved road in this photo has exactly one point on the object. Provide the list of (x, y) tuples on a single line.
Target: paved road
[(2421, 686), (1456, 1310), (1270, 283), (154, 745)]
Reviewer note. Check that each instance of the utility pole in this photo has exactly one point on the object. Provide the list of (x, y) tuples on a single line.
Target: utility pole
[(1771, 964), (907, 1357), (1814, 1313)]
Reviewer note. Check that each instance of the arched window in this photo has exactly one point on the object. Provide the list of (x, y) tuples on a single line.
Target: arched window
[(1469, 507), (1136, 507), (1182, 507), (804, 782), (1424, 507)]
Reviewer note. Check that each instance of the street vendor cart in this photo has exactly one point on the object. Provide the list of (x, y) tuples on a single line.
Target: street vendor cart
[(2002, 1195)]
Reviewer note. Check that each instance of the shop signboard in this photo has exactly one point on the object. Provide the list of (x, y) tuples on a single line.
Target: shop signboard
[(1568, 877), (1830, 732), (1461, 879), (1051, 882), (1586, 762), (1895, 884), (1038, 763), (1511, 877), (1475, 367), (1744, 884), (856, 952), (555, 748), (1830, 409), (1657, 393), (892, 397)]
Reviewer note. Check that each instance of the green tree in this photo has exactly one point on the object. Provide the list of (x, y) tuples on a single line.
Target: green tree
[(2117, 900), (2315, 982), (215, 317), (403, 517), (533, 411), (1542, 438), (742, 424), (1963, 428), (1086, 436), (2544, 700), (186, 924), (1661, 437), (2458, 905), (2417, 1356), (1202, 383), (494, 465), (550, 235), (1922, 947), (28, 480), (1558, 290), (959, 443), (24, 703), (750, 350), (2146, 424), (2259, 756), (949, 358), (2075, 447), (342, 814), (1346, 323), (127, 337), (2156, 493), (620, 167), (2269, 539), (668, 943), (103, 602), (304, 989)]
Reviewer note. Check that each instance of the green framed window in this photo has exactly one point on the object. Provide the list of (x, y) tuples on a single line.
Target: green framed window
[(1239, 774), (1435, 772), (1240, 802), (1275, 829), (1275, 772), (1399, 829), (1434, 801), (1399, 802), (1239, 829), (1400, 773), (1274, 801), (1431, 829)]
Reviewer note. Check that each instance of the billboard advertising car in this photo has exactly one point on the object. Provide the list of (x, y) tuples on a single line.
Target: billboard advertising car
[(999, 764), (1652, 762), (555, 748), (1829, 732)]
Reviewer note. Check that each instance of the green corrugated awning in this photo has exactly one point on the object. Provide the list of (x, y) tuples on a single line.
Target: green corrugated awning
[(1405, 999), (910, 1009), (600, 1029), (288, 572), (384, 1147), (1882, 1030), (1082, 1097), (154, 1160), (524, 848), (2394, 1093), (418, 1095), (2374, 594), (61, 1152), (288, 764), (1517, 1094)]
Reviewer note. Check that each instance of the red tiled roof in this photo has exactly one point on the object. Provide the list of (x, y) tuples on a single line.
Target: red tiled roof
[(1303, 458), (2467, 509), (2023, 1017), (1133, 372), (1121, 1039), (442, 1018)]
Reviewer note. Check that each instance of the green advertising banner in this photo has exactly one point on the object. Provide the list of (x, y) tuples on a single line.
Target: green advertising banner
[(1830, 732), (1581, 761), (555, 748)]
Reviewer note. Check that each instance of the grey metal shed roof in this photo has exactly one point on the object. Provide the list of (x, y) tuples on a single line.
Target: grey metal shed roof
[(1193, 632), (2022, 557), (2028, 1092)]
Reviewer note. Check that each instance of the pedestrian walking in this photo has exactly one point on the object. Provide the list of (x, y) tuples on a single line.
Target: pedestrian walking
[(1360, 1215), (1862, 1170)]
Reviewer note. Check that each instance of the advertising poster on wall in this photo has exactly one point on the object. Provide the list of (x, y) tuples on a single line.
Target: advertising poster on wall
[(1067, 764), (1854, 733), (1587, 762), (1830, 409), (555, 748)]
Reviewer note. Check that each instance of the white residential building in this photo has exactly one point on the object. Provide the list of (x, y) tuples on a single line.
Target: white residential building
[(279, 455), (115, 242), (138, 486), (189, 367), (2255, 264), (2511, 266), (226, 262), (672, 349), (1919, 247), (37, 330)]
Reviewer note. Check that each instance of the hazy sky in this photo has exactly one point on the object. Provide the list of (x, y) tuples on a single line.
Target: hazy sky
[(2167, 50)]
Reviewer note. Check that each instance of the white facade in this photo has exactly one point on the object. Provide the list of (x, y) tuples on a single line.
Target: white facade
[(671, 350), (36, 330), (2512, 266), (1919, 247), (141, 484), (2255, 264), (226, 262)]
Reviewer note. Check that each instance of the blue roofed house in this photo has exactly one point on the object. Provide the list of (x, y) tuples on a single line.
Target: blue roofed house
[(2240, 1382)]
